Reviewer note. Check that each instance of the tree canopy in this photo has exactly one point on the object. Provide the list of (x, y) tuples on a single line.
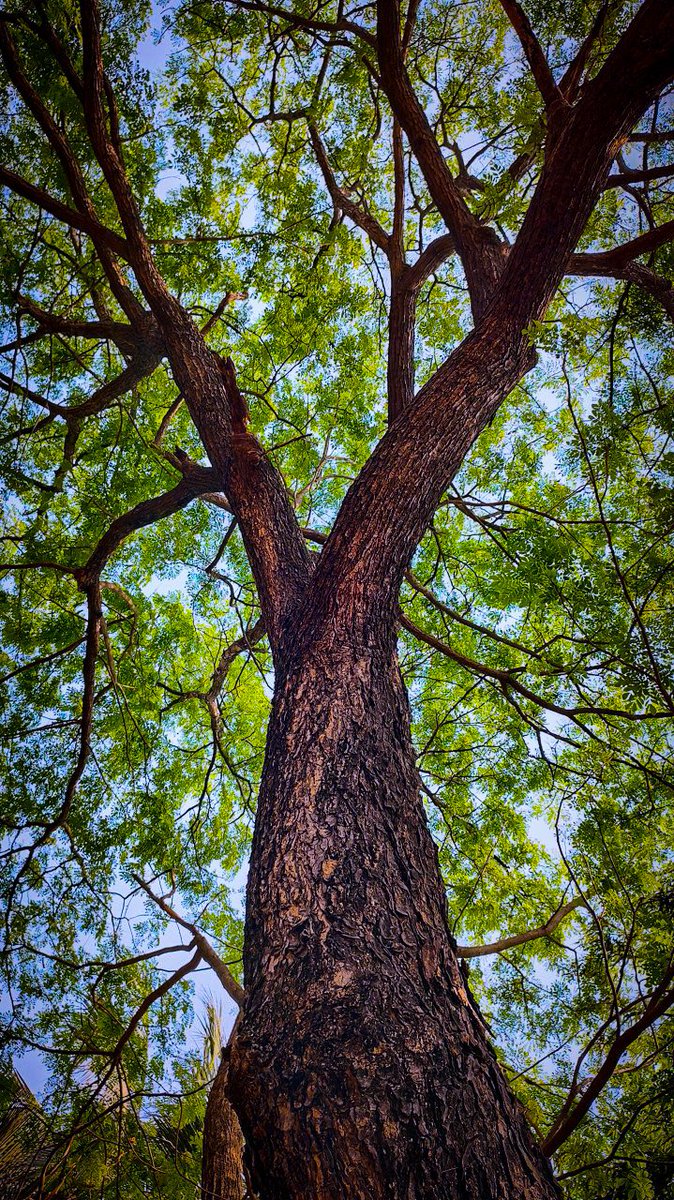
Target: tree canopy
[(303, 230)]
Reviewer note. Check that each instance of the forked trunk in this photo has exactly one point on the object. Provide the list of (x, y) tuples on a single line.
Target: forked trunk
[(361, 1069)]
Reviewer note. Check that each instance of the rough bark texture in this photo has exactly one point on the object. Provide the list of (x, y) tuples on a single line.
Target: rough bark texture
[(361, 1068), (400, 359), (222, 1162)]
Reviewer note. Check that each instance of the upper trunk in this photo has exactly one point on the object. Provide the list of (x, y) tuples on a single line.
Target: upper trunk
[(362, 1068)]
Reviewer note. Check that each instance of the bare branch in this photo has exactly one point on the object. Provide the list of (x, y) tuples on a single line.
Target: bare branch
[(520, 939), (230, 984)]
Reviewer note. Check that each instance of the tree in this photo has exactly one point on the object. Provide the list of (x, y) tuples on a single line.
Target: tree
[(328, 242)]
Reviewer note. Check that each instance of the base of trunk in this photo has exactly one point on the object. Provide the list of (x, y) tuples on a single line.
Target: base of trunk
[(361, 1068)]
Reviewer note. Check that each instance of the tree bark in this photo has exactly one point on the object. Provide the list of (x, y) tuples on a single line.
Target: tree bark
[(361, 1068), (222, 1160), (400, 353)]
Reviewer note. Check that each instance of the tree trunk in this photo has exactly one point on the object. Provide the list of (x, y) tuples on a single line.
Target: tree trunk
[(361, 1068), (222, 1160)]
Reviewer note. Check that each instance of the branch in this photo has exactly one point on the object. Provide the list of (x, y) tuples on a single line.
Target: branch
[(94, 621), (577, 163), (41, 661), (104, 142), (70, 166), (572, 78), (254, 487), (312, 24), (196, 482), (660, 1002), (652, 136), (151, 999), (637, 273), (533, 53), (619, 263), (123, 335), (358, 215), (92, 638), (509, 682), (519, 939), (248, 639), (432, 257), (400, 350), (397, 241), (230, 984), (476, 244), (606, 261), (99, 400), (63, 212), (622, 178)]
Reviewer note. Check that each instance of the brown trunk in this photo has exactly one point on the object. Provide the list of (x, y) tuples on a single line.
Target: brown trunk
[(222, 1161), (400, 360), (361, 1068)]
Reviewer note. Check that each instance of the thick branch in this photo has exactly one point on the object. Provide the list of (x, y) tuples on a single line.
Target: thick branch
[(433, 256), (254, 488), (476, 244), (533, 52), (70, 166), (577, 163), (620, 263), (123, 335), (648, 175), (400, 354), (632, 272), (99, 400), (389, 506), (63, 212), (572, 78), (609, 261), (341, 201), (196, 482)]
